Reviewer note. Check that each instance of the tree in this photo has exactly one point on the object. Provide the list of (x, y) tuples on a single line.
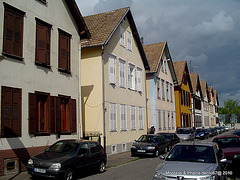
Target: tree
[(230, 107)]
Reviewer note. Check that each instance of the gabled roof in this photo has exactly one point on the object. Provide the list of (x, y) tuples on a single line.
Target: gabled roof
[(82, 28), (154, 53), (215, 96), (102, 26), (204, 88), (180, 67), (196, 83)]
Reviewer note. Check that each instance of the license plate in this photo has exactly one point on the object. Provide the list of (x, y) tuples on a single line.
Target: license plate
[(140, 150), (39, 170)]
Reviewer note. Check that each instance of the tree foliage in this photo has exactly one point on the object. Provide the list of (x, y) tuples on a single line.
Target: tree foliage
[(230, 107)]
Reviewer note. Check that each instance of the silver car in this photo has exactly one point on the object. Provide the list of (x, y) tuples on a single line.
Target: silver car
[(186, 134), (198, 161)]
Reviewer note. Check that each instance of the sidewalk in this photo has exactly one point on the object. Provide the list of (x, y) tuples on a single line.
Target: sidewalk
[(113, 160)]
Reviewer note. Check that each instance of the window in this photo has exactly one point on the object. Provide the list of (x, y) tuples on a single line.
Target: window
[(122, 36), (159, 120), (163, 90), (113, 116), (64, 51), (129, 41), (112, 69), (165, 66), (13, 31), (169, 122), (122, 73), (43, 36), (140, 117), (167, 87), (50, 114), (158, 89), (133, 117), (123, 117), (164, 121), (171, 92), (131, 77), (139, 79), (11, 112), (172, 120), (162, 66)]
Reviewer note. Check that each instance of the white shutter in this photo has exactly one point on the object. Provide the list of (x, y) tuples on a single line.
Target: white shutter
[(139, 79), (112, 71), (129, 77), (122, 36)]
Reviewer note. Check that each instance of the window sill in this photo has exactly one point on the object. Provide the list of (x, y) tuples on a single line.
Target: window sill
[(12, 56), (64, 71), (43, 65)]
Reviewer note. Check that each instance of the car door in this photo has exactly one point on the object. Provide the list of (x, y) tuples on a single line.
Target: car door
[(95, 152), (84, 156), (162, 143)]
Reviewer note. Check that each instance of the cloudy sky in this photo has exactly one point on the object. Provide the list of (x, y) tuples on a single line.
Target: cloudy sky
[(203, 32)]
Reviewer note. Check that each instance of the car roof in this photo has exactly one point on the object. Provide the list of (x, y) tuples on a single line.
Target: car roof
[(77, 140), (227, 136), (197, 143)]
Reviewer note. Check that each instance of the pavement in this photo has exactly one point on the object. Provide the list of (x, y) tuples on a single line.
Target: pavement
[(113, 160)]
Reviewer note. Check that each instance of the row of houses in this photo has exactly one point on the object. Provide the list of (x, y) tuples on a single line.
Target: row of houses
[(65, 76)]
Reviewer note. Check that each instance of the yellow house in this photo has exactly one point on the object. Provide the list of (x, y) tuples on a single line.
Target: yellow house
[(113, 80), (182, 92)]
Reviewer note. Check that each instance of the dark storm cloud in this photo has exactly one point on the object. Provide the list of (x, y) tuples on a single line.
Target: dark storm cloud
[(204, 32)]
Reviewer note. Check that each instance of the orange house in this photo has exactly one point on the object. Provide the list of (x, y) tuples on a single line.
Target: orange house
[(182, 92)]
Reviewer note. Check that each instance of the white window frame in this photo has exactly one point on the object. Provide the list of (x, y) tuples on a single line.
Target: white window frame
[(113, 117), (112, 69), (129, 40), (173, 122), (171, 92), (122, 37), (167, 90), (169, 121), (159, 120), (122, 73), (140, 118), (159, 88), (139, 79), (133, 117), (123, 117), (164, 120), (163, 89), (165, 66), (162, 66), (131, 76)]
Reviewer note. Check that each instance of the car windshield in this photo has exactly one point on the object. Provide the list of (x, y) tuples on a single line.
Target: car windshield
[(183, 131), (64, 147), (167, 136), (149, 139), (200, 130), (227, 142), (192, 153)]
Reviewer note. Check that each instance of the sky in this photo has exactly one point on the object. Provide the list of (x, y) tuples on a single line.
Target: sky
[(206, 33)]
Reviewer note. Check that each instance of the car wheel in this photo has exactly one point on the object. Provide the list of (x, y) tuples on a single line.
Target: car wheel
[(102, 167), (157, 153), (68, 174)]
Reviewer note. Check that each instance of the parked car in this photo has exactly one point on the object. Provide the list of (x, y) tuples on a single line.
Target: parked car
[(211, 132), (191, 160), (202, 134), (149, 144), (65, 158), (171, 139), (219, 130), (186, 134), (237, 132)]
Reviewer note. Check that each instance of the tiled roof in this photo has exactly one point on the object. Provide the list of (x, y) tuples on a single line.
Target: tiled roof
[(179, 67), (154, 53), (102, 25), (203, 87), (194, 80)]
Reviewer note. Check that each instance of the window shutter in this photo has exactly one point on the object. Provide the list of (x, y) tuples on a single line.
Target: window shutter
[(139, 80), (122, 37), (129, 77), (16, 111), (58, 116), (53, 114), (6, 112), (63, 51), (8, 32), (18, 31), (41, 42), (111, 69), (73, 115), (32, 124)]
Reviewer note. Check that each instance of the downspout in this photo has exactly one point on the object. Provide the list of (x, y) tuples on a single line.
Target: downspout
[(103, 106), (79, 134), (146, 100)]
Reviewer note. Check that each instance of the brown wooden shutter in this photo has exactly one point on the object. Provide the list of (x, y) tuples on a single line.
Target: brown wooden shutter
[(17, 49), (16, 111), (63, 51), (48, 114), (53, 114), (41, 44), (32, 124), (58, 115), (73, 112)]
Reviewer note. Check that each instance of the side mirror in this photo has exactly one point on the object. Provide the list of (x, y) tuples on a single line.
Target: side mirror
[(161, 157)]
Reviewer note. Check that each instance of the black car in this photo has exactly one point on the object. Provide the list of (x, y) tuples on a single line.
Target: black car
[(237, 132), (65, 158), (171, 139), (202, 133), (149, 144)]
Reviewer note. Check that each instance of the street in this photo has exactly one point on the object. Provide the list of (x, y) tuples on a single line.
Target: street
[(141, 169)]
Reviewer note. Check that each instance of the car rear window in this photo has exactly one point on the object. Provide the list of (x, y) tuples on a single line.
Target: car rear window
[(227, 142)]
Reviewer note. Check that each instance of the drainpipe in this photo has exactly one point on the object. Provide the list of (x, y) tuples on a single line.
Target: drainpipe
[(103, 106), (146, 100), (79, 134)]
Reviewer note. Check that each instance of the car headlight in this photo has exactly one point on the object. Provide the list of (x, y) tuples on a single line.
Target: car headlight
[(201, 134), (158, 176), (55, 166), (151, 147), (30, 162), (236, 156)]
